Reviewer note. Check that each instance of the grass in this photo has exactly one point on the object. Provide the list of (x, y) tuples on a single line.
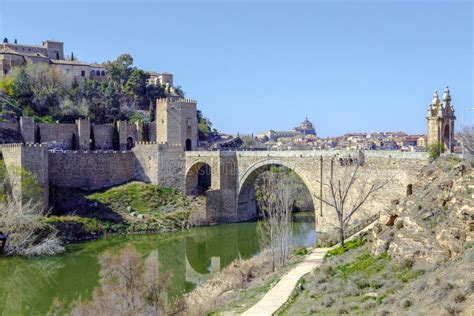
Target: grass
[(89, 224), (365, 263), (139, 197), (352, 244), (301, 251)]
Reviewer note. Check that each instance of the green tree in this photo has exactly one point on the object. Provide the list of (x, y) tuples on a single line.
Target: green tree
[(120, 69), (22, 89), (179, 91), (136, 84), (154, 92), (204, 127)]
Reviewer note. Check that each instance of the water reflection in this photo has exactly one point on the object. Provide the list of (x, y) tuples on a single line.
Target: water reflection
[(29, 286)]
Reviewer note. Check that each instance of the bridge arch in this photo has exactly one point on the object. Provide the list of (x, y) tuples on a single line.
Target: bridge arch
[(246, 201), (198, 178)]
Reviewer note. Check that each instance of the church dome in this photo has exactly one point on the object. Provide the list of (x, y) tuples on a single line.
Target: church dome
[(306, 125), (305, 128)]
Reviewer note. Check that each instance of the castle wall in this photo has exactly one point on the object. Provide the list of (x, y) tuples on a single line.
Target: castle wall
[(126, 130), (32, 158), (58, 135), (152, 132), (146, 162), (171, 166), (103, 136), (90, 170)]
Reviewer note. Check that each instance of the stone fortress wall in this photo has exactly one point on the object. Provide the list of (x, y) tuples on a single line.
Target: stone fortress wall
[(94, 136)]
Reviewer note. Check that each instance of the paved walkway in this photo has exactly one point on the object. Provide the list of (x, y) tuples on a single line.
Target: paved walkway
[(281, 292)]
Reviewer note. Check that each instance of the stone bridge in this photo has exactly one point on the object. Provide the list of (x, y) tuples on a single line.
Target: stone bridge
[(232, 174)]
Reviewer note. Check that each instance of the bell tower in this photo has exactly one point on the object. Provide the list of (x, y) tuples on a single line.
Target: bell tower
[(441, 119)]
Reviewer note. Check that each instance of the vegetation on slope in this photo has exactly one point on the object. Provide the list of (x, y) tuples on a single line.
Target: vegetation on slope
[(140, 197), (128, 208), (418, 258)]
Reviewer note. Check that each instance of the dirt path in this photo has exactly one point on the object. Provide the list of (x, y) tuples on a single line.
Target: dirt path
[(281, 292)]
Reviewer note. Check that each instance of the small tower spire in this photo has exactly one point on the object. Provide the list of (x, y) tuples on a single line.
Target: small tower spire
[(435, 99), (446, 95)]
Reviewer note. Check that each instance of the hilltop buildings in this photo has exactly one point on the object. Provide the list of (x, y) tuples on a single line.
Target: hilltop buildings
[(52, 53)]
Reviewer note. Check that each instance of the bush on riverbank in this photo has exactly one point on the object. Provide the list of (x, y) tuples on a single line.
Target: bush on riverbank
[(217, 290), (21, 219), (28, 234)]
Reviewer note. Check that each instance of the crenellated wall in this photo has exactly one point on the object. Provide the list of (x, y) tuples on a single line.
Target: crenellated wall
[(82, 135), (90, 170)]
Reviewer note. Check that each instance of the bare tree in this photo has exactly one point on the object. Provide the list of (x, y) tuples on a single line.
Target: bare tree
[(21, 219), (128, 285), (466, 138), (276, 196), (350, 189)]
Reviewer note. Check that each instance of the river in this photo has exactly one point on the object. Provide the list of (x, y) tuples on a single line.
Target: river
[(28, 286)]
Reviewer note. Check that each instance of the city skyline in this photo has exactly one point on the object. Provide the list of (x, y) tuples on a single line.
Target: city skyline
[(379, 76)]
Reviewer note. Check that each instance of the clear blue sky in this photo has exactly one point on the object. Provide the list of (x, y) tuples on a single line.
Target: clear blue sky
[(258, 64)]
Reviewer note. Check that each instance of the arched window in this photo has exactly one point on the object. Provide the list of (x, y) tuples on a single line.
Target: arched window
[(189, 145), (102, 73), (92, 73)]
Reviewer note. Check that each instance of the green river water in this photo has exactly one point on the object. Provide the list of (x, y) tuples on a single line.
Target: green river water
[(29, 286)]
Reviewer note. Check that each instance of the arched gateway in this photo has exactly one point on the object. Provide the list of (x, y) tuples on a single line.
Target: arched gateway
[(246, 199)]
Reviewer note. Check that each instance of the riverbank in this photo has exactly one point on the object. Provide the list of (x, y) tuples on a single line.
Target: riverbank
[(132, 208)]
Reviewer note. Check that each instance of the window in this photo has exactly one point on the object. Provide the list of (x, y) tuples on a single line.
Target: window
[(92, 73), (103, 73), (83, 73)]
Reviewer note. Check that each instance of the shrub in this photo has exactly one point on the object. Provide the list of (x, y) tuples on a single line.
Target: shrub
[(349, 245), (28, 235), (239, 273), (436, 150), (301, 251)]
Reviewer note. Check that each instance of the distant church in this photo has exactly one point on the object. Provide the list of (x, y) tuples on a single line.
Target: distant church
[(441, 119), (304, 129)]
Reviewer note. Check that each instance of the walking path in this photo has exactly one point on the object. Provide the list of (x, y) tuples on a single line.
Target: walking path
[(281, 292)]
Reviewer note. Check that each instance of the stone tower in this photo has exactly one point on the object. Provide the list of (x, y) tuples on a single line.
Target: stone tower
[(176, 122), (441, 121)]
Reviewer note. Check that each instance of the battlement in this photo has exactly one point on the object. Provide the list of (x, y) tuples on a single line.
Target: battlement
[(145, 143), (166, 145), (176, 100), (27, 145), (89, 152)]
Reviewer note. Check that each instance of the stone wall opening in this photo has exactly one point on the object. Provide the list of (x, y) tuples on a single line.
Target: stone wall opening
[(130, 143), (198, 179), (247, 204), (189, 145)]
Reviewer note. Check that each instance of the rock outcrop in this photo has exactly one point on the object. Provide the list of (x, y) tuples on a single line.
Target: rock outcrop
[(435, 222)]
